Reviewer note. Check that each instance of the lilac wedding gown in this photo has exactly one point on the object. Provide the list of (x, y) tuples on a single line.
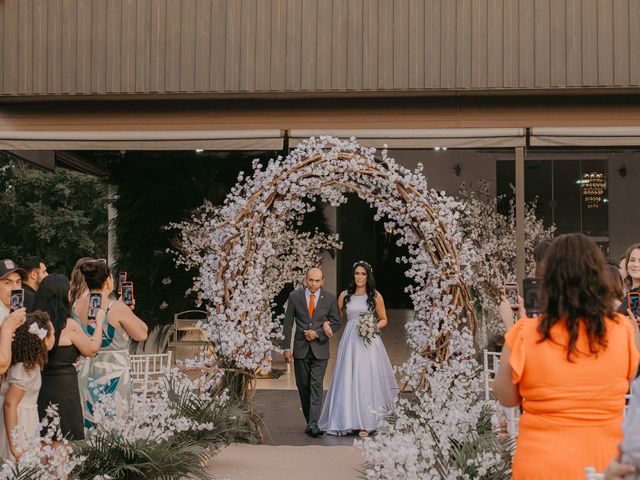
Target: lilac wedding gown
[(363, 385)]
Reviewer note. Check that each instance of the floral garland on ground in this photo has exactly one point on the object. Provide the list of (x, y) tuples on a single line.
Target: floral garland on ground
[(493, 237), (244, 254), (170, 434)]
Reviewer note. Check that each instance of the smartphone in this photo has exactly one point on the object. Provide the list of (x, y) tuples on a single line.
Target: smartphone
[(95, 302), (127, 293), (531, 300), (17, 299), (510, 291), (122, 277), (633, 299)]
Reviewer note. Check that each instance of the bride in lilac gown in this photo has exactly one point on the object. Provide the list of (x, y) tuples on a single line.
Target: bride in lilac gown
[(363, 385)]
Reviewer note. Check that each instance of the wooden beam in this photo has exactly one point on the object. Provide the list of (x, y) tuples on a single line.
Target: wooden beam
[(520, 227), (41, 158)]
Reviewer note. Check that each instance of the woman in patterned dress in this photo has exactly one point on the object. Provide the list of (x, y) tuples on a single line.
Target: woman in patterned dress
[(108, 372)]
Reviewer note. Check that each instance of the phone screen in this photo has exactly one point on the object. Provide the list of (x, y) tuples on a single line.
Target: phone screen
[(531, 302), (95, 302), (122, 277), (511, 292), (127, 293), (17, 299), (634, 303)]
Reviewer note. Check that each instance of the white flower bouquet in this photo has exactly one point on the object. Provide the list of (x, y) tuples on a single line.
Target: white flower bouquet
[(368, 327)]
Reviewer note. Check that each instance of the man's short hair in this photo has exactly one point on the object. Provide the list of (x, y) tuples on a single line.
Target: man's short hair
[(312, 268), (29, 264)]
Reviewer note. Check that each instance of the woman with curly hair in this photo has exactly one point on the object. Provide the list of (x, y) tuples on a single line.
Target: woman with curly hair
[(363, 384), (20, 387), (568, 368)]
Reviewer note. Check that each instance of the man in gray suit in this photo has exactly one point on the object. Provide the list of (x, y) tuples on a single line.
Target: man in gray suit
[(310, 307)]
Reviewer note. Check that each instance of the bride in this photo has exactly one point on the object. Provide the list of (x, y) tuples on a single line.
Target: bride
[(363, 384)]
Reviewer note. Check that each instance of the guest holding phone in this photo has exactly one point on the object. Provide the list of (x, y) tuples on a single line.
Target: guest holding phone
[(632, 278), (59, 376), (107, 372), (569, 368)]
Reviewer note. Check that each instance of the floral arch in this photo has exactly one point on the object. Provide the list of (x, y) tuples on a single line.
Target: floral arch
[(248, 249)]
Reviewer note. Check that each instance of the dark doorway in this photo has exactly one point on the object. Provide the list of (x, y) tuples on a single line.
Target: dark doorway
[(365, 239)]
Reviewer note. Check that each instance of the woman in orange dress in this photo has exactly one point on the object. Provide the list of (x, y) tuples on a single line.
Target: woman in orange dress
[(569, 368)]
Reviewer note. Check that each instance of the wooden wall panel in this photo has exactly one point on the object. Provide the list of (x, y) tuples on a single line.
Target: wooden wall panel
[(98, 47)]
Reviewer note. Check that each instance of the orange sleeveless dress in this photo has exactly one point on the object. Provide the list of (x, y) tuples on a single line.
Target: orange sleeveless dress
[(572, 411)]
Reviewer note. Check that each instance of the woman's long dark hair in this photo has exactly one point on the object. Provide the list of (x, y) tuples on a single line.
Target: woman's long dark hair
[(371, 286), (576, 287), (628, 281), (53, 298)]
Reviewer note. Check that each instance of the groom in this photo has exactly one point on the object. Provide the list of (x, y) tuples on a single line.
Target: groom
[(310, 307)]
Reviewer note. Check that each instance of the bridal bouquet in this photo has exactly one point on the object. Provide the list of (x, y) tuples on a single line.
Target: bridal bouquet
[(368, 327)]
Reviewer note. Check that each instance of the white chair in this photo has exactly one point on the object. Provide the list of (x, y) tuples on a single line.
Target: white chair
[(189, 341), (140, 374), (155, 366), (591, 474), (490, 365)]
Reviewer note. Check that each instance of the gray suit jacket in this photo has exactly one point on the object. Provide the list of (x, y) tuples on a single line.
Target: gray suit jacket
[(326, 309)]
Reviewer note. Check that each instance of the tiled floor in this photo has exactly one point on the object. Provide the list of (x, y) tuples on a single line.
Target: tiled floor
[(394, 338)]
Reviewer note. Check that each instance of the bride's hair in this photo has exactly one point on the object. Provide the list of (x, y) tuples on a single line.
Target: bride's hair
[(371, 285)]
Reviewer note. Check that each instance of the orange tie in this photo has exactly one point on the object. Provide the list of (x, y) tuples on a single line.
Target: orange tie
[(312, 305)]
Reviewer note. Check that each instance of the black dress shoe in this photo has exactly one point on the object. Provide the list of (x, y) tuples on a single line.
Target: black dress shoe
[(307, 429), (314, 431)]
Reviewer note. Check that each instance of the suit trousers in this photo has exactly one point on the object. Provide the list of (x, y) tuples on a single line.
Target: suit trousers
[(309, 373)]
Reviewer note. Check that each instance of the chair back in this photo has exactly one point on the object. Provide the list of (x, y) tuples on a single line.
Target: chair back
[(187, 321), (140, 374), (490, 364), (155, 365)]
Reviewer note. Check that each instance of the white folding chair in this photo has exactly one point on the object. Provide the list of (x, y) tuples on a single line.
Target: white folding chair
[(156, 365), (140, 374), (490, 365), (591, 474)]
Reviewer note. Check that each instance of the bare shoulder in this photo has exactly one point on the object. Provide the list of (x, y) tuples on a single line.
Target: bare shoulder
[(378, 297), (342, 295)]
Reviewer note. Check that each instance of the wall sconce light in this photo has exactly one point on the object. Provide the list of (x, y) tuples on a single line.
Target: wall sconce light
[(457, 169), (623, 171)]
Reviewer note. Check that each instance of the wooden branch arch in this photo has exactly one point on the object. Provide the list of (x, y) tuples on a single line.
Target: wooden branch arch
[(358, 169)]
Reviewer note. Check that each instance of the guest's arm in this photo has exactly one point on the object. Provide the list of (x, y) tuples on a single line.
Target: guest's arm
[(503, 387), (130, 322), (11, 402), (9, 326), (87, 345)]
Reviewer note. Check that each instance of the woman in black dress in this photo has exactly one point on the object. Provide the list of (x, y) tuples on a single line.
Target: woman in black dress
[(59, 377)]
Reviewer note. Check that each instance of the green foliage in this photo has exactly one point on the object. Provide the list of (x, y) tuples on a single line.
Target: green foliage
[(59, 216), (484, 441), (172, 459), (24, 472), (184, 454)]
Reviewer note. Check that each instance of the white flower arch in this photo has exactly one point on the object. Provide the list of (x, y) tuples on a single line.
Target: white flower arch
[(246, 250)]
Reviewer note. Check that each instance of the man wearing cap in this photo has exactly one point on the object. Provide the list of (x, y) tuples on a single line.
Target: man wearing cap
[(10, 279)]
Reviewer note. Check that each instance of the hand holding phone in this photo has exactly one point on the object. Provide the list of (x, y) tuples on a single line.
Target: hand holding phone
[(127, 293), (16, 299), (633, 302), (122, 278), (510, 291), (95, 303), (531, 302)]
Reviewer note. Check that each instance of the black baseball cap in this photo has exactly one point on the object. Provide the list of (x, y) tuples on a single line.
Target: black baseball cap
[(8, 266)]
